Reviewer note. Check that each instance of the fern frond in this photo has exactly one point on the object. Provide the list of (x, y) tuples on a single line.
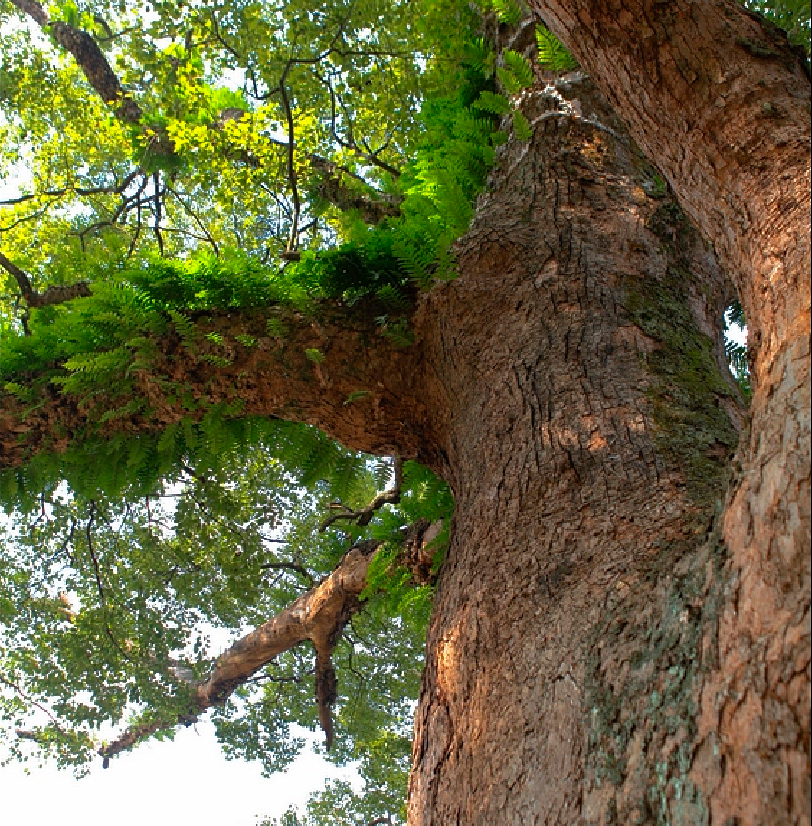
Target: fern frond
[(508, 11), (520, 67), (521, 126), (492, 102), (552, 53)]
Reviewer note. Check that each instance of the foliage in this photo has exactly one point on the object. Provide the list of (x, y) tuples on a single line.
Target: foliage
[(130, 561), (736, 352), (552, 52), (793, 16)]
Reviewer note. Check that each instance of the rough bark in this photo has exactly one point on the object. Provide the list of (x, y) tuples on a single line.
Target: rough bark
[(609, 644), (334, 369), (720, 101), (588, 430)]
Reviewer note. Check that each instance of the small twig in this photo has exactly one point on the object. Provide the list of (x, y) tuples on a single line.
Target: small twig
[(31, 735), (289, 566), (99, 586), (156, 184), (364, 516), (293, 238)]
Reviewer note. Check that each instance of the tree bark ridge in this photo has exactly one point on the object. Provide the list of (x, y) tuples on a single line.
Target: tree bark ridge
[(720, 101)]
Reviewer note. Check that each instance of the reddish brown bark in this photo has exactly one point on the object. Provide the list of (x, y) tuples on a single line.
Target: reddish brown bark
[(721, 103), (584, 491), (605, 648)]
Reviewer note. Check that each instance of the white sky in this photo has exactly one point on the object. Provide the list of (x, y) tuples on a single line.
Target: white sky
[(186, 781)]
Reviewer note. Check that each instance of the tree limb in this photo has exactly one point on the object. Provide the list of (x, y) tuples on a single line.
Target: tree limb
[(373, 209), (90, 58), (320, 616), (274, 377), (53, 295)]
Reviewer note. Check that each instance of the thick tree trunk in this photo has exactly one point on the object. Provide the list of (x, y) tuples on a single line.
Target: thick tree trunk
[(588, 431), (613, 641), (721, 103)]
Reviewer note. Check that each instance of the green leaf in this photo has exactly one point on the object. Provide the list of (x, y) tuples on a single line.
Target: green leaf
[(521, 126), (315, 355), (552, 54), (492, 102)]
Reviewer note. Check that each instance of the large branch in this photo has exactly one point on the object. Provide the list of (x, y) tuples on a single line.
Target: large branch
[(333, 369), (320, 616), (104, 81), (719, 100), (90, 58)]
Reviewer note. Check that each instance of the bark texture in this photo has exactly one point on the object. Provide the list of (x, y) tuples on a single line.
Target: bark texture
[(334, 369), (587, 434), (616, 639), (720, 101)]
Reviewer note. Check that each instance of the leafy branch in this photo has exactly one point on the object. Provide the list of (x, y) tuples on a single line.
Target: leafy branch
[(364, 515), (320, 615)]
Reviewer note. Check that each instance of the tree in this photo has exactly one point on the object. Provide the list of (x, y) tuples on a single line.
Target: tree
[(620, 628)]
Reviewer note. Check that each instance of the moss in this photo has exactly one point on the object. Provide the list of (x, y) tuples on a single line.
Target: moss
[(654, 697), (694, 433)]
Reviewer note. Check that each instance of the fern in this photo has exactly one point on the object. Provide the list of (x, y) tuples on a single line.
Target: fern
[(398, 332), (186, 329), (520, 67), (552, 54), (491, 102), (393, 299), (521, 126), (136, 405), (508, 11), (479, 57), (516, 74)]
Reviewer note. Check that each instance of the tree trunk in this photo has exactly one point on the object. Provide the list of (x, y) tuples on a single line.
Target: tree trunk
[(721, 103), (589, 426), (614, 639)]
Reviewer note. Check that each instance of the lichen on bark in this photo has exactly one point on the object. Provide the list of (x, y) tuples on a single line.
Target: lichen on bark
[(688, 388)]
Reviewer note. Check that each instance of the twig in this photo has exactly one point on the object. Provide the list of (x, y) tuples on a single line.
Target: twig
[(289, 566), (364, 516), (31, 735)]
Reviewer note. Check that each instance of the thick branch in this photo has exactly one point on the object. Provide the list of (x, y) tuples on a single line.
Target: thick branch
[(53, 295), (90, 58), (338, 373), (719, 101), (320, 616), (373, 209)]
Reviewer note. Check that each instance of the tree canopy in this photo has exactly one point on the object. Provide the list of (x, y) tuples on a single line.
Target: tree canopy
[(225, 175)]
